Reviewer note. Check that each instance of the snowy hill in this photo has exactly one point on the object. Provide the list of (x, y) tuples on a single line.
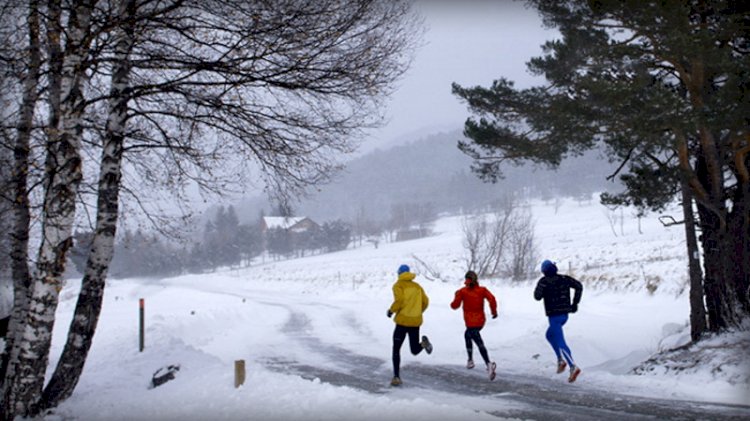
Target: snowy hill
[(320, 313), (431, 169)]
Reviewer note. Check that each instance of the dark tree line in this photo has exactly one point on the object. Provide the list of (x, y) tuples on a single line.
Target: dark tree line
[(226, 242), (329, 237), (223, 242), (136, 254)]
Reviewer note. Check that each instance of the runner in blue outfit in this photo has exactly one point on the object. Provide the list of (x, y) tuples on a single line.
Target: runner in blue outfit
[(555, 290)]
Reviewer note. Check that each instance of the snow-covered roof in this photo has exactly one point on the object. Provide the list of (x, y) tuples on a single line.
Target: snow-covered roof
[(282, 221)]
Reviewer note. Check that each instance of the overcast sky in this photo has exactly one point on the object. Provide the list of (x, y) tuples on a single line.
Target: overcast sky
[(469, 42), (472, 42)]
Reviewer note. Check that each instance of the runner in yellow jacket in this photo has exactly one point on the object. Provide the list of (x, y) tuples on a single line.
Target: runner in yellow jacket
[(409, 302)]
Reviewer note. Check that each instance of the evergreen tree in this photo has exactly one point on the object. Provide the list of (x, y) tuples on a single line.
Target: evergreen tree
[(279, 242), (249, 241), (210, 240), (226, 240), (336, 235), (311, 239), (662, 86)]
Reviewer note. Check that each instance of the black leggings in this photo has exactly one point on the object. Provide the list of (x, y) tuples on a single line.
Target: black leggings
[(472, 334), (399, 336)]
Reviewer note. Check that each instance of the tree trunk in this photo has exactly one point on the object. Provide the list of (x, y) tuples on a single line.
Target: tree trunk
[(697, 308), (63, 174), (728, 289), (742, 230), (88, 308), (721, 257), (21, 214), (738, 253)]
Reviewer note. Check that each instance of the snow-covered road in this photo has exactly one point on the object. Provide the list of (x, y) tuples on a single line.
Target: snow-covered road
[(509, 395)]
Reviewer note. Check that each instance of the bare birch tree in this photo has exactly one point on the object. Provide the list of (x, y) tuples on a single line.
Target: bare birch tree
[(18, 194), (8, 132), (288, 85), (208, 92), (62, 176), (82, 328)]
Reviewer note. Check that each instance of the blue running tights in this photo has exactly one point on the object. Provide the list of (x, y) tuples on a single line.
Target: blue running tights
[(556, 338)]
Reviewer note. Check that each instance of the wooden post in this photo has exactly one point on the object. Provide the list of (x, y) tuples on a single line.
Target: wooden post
[(239, 373), (141, 335)]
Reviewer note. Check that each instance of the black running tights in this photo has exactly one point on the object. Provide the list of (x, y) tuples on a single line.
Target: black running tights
[(472, 334), (399, 336)]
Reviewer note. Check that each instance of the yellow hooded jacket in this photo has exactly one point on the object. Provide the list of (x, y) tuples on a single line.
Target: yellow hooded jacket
[(409, 301)]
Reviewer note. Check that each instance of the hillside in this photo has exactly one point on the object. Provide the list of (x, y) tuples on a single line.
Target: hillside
[(432, 171)]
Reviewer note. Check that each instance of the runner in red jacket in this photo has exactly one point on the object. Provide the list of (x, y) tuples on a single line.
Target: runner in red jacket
[(472, 296)]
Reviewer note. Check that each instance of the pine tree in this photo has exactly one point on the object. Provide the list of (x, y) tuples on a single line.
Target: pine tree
[(226, 238), (662, 86), (337, 235), (249, 242)]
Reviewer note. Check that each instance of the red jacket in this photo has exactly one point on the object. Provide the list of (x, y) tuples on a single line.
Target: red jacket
[(473, 300)]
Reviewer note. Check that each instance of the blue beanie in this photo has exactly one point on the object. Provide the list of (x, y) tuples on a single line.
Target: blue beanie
[(549, 268), (402, 269)]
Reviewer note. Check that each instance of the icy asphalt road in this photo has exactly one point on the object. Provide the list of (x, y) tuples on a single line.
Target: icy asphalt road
[(509, 396)]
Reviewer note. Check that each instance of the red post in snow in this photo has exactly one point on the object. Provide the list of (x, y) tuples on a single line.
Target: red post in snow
[(141, 324)]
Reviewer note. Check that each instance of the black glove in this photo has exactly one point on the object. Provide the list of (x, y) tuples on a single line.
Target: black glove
[(574, 308), (389, 313), (494, 316)]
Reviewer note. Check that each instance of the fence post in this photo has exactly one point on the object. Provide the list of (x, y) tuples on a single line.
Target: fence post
[(239, 373), (141, 336)]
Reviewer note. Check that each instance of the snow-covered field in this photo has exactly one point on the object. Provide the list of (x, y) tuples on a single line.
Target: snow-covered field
[(634, 305)]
